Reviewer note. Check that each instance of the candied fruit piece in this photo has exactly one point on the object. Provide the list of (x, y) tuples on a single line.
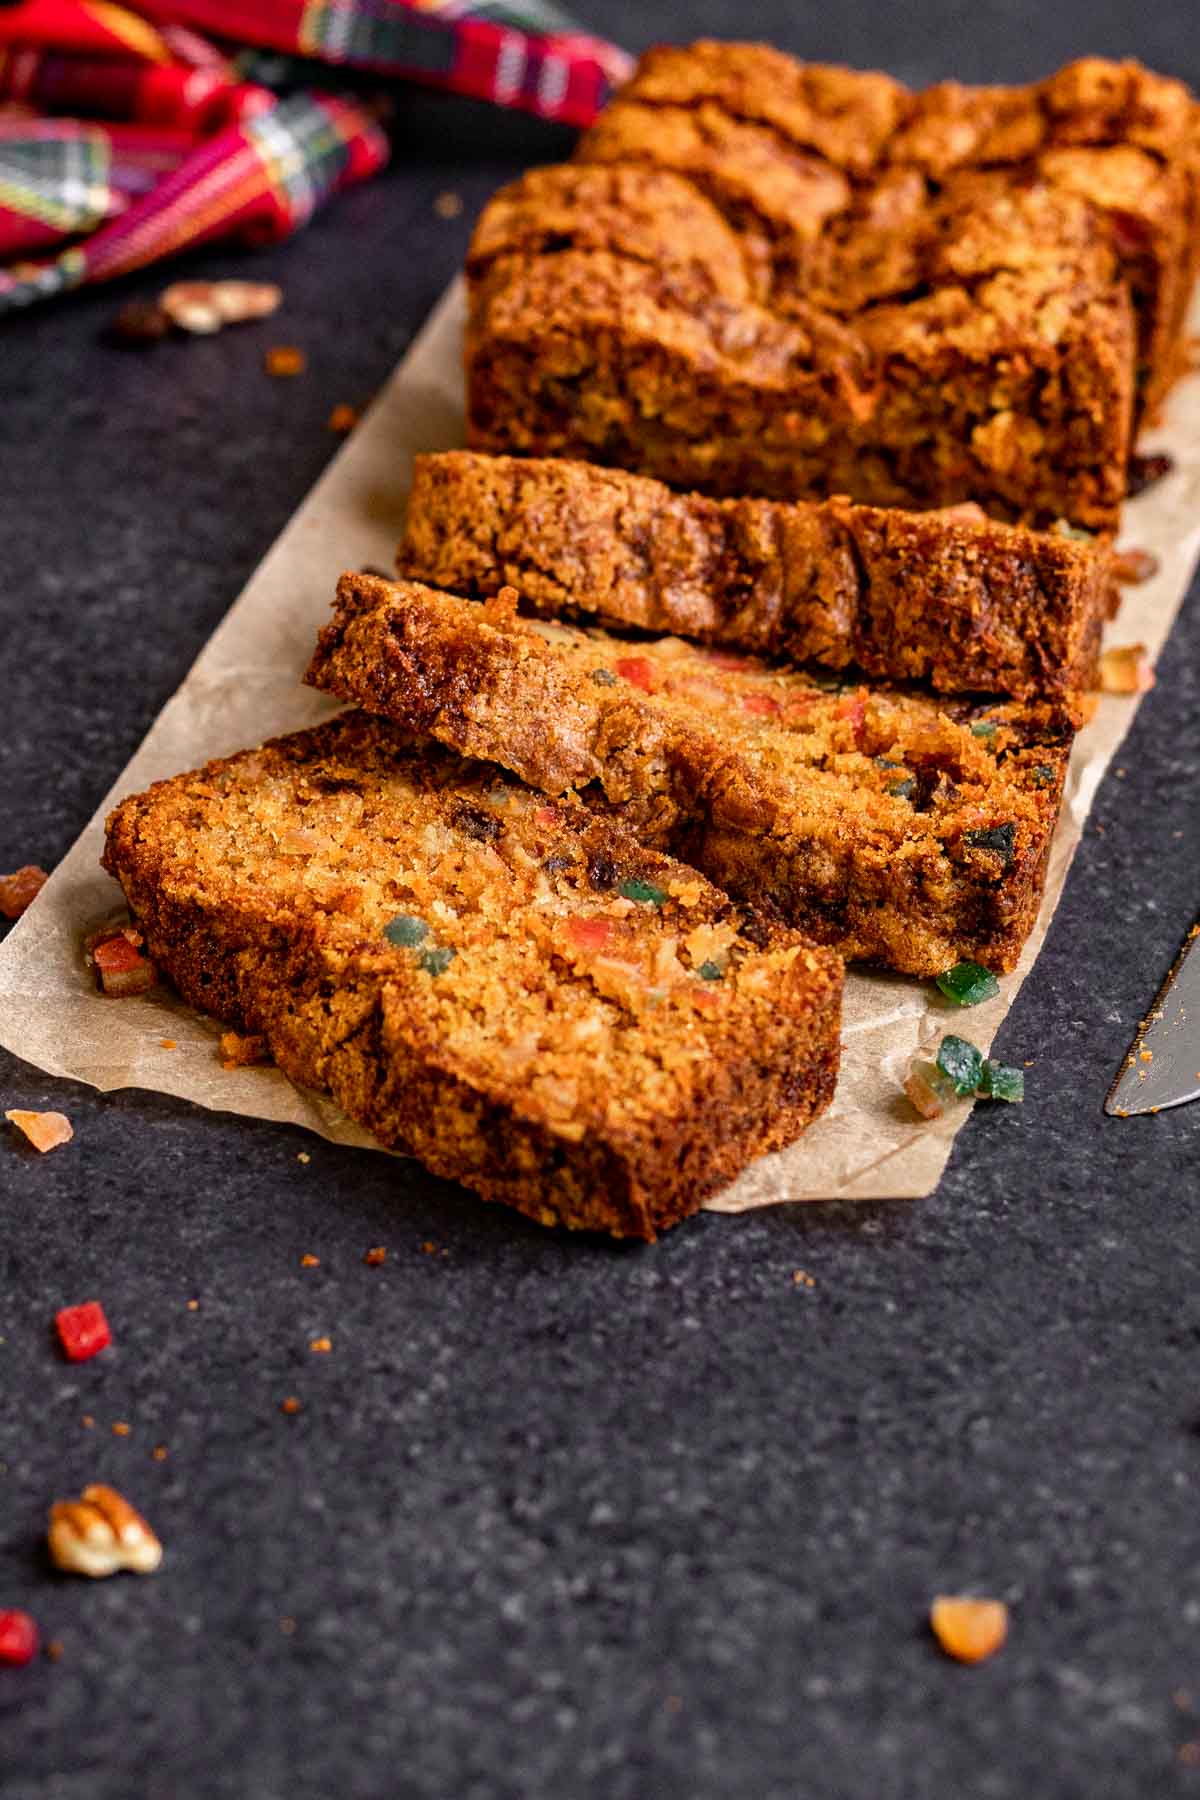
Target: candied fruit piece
[(45, 1130), (968, 1630), (645, 891), (929, 1090), (83, 1330), (436, 961), (637, 670), (761, 705), (968, 983), (1135, 565), (285, 360), (1000, 838), (960, 1062), (122, 968), (18, 1637), (589, 934), (20, 888), (405, 931), (1125, 669), (999, 1081)]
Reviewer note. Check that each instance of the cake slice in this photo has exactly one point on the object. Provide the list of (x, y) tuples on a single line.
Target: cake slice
[(950, 598), (891, 826), (519, 994)]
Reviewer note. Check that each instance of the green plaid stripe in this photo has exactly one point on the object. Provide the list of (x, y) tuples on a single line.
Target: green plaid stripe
[(62, 182), (302, 149)]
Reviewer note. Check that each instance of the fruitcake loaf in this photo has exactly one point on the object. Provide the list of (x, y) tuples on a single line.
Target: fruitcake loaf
[(519, 994), (951, 598), (891, 826), (915, 299)]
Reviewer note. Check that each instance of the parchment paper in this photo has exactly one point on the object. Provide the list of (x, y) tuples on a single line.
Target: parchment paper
[(246, 686)]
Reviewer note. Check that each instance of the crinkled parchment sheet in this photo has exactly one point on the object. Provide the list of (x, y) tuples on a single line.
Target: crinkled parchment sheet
[(246, 686)]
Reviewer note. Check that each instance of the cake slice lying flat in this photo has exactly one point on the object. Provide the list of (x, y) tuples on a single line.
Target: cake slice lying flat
[(519, 994), (951, 598), (891, 826)]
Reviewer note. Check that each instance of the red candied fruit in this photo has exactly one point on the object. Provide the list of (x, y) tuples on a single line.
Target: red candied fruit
[(763, 705), (83, 1330), (726, 659), (589, 934), (122, 967), (546, 815), (854, 708), (637, 670), (18, 1638)]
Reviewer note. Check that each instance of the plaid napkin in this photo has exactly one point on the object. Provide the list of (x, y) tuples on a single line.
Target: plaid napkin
[(129, 132)]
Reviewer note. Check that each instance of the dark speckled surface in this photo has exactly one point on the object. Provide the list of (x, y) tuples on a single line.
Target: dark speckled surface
[(558, 1519)]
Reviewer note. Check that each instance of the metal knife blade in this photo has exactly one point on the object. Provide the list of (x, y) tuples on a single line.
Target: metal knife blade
[(1162, 1067)]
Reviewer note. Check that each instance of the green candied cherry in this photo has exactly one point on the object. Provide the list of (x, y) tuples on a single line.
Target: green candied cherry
[(436, 962), (997, 1081), (645, 891), (968, 983), (960, 1062), (406, 931)]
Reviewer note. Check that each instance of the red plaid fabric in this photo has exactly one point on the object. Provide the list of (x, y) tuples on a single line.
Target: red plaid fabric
[(128, 133)]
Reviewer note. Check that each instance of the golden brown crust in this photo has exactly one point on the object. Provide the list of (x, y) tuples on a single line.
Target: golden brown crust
[(560, 1019), (890, 826), (967, 604), (1003, 231)]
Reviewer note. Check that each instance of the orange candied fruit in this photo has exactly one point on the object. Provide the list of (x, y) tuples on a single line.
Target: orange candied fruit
[(1125, 669), (968, 1630), (45, 1131), (285, 360), (20, 888)]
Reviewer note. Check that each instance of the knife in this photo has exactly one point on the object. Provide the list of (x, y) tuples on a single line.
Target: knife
[(1162, 1066)]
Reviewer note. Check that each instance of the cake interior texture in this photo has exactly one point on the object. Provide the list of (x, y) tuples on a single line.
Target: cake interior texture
[(518, 993), (891, 825)]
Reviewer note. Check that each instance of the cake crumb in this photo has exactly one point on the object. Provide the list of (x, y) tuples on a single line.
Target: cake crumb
[(343, 418), (448, 205), (374, 1257), (290, 1406), (160, 1453), (321, 1345), (304, 1157), (309, 1261), (120, 1428)]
